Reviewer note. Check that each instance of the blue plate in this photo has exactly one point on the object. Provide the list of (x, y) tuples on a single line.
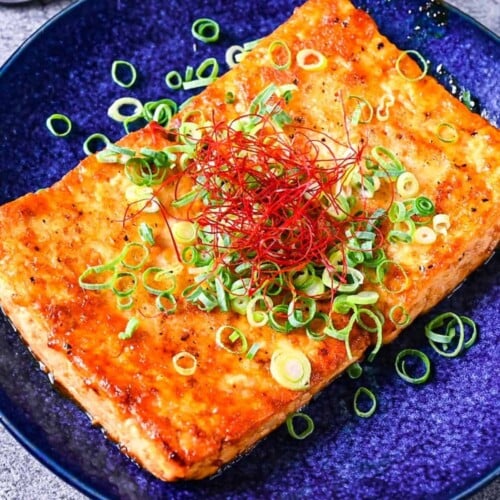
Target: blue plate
[(433, 441)]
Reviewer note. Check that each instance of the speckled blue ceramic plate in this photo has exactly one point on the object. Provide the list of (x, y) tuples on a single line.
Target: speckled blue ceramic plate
[(433, 441)]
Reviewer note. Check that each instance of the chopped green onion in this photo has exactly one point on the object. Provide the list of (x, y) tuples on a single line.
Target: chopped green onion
[(91, 139), (162, 299), (390, 265), (185, 232), (291, 369), (279, 46), (132, 325), (119, 66), (256, 317), (401, 366), (424, 206), (357, 116), (447, 132), (253, 351), (208, 63), (124, 303), (134, 255), (59, 125), (232, 334), (104, 272), (311, 60), (114, 111), (399, 316), (441, 341), (423, 62), (363, 391), (291, 426), (182, 357), (230, 97), (146, 233), (124, 284), (231, 53), (206, 30), (173, 79), (157, 280), (407, 185), (441, 223), (200, 82), (301, 311), (365, 297), (355, 371), (424, 235)]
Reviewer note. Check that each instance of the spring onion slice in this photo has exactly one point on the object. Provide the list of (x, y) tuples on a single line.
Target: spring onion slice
[(401, 366), (157, 280), (357, 116), (311, 60), (424, 235), (134, 255), (233, 334), (124, 284), (407, 185), (422, 61), (185, 356), (355, 371), (278, 46), (252, 352), (97, 271), (146, 233), (184, 232), (291, 369), (120, 66), (173, 79), (258, 317), (206, 30), (231, 54), (59, 125), (364, 391), (124, 303), (447, 132), (399, 316), (441, 341), (200, 82), (291, 426), (163, 299), (114, 111), (91, 140), (132, 325), (441, 223)]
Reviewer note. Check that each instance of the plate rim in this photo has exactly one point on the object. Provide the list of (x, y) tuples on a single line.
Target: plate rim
[(35, 451)]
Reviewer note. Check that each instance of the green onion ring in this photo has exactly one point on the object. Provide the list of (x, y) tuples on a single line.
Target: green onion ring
[(276, 44), (206, 30), (449, 127), (364, 391), (291, 369), (129, 290), (423, 62), (291, 428), (234, 335), (173, 79), (399, 310), (119, 65), (160, 302), (58, 119), (355, 371), (94, 138), (401, 370), (132, 325), (114, 110), (185, 371)]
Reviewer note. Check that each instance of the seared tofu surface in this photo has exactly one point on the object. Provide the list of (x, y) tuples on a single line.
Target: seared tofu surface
[(180, 425)]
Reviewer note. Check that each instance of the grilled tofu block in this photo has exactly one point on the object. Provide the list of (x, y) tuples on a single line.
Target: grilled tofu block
[(179, 424)]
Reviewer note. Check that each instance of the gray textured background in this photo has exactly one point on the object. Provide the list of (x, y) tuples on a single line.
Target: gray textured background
[(21, 476)]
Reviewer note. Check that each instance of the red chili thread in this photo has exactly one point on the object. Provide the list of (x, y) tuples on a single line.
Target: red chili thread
[(268, 193)]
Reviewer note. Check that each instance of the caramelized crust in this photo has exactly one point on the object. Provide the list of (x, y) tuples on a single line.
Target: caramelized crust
[(188, 426)]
